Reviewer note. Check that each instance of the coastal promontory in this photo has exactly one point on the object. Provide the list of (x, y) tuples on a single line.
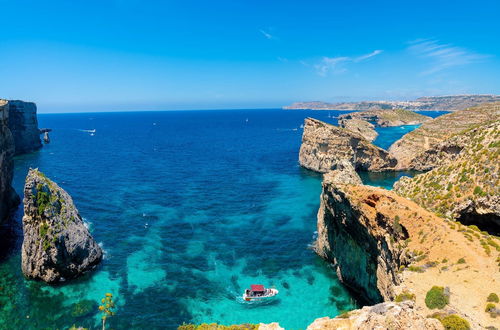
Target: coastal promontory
[(325, 145), (23, 123), (57, 245)]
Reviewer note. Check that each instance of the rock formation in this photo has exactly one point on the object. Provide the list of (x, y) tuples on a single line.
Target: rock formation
[(381, 244), (435, 131), (464, 184), (8, 197), (389, 315), (23, 123), (361, 127), (387, 118), (325, 145), (57, 246), (359, 233)]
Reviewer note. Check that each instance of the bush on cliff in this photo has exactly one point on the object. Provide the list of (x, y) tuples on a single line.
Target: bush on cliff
[(454, 322), (436, 298), (405, 295), (493, 297)]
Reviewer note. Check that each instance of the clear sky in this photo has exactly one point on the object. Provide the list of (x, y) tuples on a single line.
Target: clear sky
[(100, 55)]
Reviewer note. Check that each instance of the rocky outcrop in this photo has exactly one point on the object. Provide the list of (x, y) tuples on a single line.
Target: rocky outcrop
[(386, 118), (8, 197), (387, 315), (23, 123), (325, 145), (362, 127), (359, 231), (465, 183), (409, 148), (57, 246)]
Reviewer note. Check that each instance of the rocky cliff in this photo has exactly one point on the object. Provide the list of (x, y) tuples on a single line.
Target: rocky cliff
[(324, 145), (387, 315), (382, 245), (8, 197), (387, 118), (435, 131), (57, 246), (23, 124), (465, 182)]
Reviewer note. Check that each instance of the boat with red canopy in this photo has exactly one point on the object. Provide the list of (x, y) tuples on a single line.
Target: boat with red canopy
[(259, 292)]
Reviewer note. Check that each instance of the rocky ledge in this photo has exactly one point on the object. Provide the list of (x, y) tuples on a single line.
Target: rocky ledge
[(407, 151), (324, 146), (57, 246), (387, 315)]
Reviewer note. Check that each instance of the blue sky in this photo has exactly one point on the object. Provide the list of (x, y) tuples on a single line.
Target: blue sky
[(159, 55)]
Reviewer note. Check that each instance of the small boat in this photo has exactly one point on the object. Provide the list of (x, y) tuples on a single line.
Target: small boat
[(258, 292)]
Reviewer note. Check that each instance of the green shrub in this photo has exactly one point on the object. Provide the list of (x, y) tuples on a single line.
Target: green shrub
[(344, 315), (416, 269), (490, 307), (405, 295), (454, 322), (461, 261), (435, 298), (492, 297)]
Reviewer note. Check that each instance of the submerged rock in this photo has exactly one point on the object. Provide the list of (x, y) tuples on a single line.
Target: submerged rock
[(387, 315), (324, 146), (57, 246)]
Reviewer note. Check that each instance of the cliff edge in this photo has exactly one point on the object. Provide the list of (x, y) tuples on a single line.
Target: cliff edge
[(23, 124)]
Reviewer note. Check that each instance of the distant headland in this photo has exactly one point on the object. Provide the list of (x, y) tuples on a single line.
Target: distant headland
[(428, 103)]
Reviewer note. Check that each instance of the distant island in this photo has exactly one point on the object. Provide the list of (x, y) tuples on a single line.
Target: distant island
[(431, 103)]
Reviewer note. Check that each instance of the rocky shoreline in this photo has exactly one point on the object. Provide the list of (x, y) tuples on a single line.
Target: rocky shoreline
[(385, 247)]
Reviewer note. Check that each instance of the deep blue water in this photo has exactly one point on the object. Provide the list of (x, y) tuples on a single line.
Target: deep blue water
[(191, 208)]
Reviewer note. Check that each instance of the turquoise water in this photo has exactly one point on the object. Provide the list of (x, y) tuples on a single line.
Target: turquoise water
[(191, 208)]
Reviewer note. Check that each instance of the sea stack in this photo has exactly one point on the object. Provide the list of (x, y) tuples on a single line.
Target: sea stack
[(57, 246)]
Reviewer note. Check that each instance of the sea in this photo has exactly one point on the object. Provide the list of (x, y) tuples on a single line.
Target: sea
[(191, 208)]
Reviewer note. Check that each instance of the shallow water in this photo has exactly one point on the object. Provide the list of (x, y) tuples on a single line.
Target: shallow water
[(191, 208)]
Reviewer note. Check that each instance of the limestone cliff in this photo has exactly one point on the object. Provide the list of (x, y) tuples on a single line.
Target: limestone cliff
[(437, 130), (465, 183), (8, 197), (361, 234), (381, 245), (387, 118), (57, 246), (389, 315), (361, 127), (324, 145), (23, 123)]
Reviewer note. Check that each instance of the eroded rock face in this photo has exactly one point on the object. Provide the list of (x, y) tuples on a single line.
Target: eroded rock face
[(464, 183), (57, 246), (23, 123), (387, 315), (324, 146), (362, 127), (8, 197), (387, 118), (359, 232), (409, 149)]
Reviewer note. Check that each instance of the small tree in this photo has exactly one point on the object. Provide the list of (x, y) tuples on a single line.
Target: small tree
[(106, 308)]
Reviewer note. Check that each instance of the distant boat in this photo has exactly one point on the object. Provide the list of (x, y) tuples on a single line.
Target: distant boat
[(258, 292)]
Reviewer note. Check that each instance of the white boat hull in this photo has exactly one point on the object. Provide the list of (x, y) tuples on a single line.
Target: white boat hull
[(269, 293)]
